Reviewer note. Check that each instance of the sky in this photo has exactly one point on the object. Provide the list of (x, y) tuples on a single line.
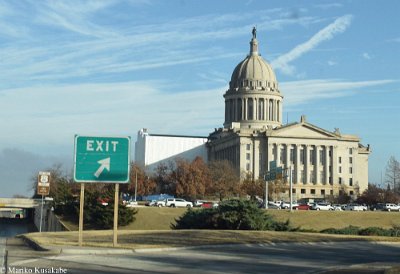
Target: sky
[(111, 67)]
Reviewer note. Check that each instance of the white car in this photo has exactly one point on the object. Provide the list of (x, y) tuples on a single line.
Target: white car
[(131, 204), (177, 202), (391, 207), (199, 202), (322, 206), (355, 207), (161, 203)]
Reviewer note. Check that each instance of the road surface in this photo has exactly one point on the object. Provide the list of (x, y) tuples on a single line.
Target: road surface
[(329, 257)]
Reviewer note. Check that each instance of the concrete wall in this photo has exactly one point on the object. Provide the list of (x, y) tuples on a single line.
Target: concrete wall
[(151, 150)]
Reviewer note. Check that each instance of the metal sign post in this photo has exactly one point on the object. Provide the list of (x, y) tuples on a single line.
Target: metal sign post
[(43, 188), (115, 232), (81, 203), (101, 160), (41, 215)]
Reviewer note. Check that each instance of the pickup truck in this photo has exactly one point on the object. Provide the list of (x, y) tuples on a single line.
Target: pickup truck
[(177, 202)]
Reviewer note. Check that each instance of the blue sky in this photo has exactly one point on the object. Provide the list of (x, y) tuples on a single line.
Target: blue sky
[(113, 67)]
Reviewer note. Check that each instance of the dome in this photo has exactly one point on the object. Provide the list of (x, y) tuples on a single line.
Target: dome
[(253, 71)]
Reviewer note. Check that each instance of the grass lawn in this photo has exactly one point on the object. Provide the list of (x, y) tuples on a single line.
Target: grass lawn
[(152, 230), (154, 218), (319, 220)]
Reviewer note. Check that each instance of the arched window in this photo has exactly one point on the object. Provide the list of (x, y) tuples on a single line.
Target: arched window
[(250, 109)]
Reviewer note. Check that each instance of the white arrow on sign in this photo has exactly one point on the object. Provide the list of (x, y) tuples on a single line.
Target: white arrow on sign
[(104, 164)]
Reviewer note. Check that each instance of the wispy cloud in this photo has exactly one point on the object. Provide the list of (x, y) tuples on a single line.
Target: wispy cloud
[(366, 56), (282, 63), (300, 92)]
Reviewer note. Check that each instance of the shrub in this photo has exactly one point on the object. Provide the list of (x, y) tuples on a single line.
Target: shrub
[(231, 214), (375, 231), (349, 230), (97, 216)]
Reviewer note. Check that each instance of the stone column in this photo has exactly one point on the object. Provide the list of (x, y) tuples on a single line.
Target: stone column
[(297, 162), (245, 109), (316, 166), (256, 159), (255, 110), (278, 156), (270, 148), (326, 166), (307, 164), (334, 164), (288, 148)]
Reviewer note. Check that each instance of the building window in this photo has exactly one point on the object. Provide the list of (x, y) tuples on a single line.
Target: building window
[(340, 169), (313, 191), (350, 160), (292, 155), (350, 151), (302, 176), (248, 146), (282, 155), (350, 170), (312, 157), (312, 177), (293, 190), (322, 191), (322, 176), (340, 160), (261, 109), (250, 109), (247, 156), (302, 156), (331, 192), (351, 182), (322, 157), (303, 191), (248, 166)]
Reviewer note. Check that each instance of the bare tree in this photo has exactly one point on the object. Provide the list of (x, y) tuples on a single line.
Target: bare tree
[(392, 175)]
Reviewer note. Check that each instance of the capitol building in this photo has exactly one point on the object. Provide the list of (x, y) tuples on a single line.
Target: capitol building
[(253, 135)]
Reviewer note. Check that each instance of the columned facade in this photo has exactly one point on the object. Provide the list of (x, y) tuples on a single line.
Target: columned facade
[(253, 134)]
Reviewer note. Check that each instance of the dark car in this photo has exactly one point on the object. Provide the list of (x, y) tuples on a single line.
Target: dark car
[(378, 206)]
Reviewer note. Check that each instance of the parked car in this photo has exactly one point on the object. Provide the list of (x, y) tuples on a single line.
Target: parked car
[(378, 206), (355, 207), (209, 204), (286, 205), (177, 202), (198, 203), (151, 203), (391, 207), (337, 207), (321, 206), (161, 203), (131, 204), (302, 207)]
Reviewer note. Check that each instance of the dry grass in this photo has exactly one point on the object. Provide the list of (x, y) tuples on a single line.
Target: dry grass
[(154, 218), (152, 230), (131, 239), (319, 220)]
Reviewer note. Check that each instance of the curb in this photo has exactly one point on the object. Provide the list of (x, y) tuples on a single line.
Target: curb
[(34, 245)]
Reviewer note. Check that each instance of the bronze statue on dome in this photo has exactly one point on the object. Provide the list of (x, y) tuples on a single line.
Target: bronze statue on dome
[(254, 33)]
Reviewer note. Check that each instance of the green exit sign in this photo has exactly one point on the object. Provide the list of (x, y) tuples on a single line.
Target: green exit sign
[(102, 159)]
